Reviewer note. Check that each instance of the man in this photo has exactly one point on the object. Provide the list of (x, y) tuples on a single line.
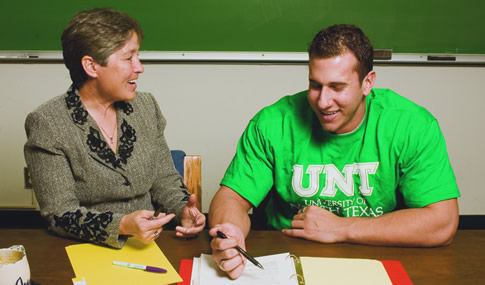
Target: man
[(340, 162)]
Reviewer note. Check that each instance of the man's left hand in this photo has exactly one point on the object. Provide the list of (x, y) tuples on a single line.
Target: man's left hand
[(317, 224)]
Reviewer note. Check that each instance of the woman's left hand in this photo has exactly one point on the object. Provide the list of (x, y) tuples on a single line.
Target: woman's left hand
[(192, 221)]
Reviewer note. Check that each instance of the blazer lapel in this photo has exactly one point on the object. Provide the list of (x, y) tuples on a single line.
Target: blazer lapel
[(93, 140)]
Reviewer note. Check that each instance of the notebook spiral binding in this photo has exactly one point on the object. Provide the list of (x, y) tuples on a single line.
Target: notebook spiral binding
[(299, 271)]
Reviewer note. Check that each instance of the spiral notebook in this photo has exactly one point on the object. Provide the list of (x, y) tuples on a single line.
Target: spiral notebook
[(288, 269)]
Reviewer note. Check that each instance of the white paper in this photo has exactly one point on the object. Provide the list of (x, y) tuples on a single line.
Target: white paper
[(279, 269)]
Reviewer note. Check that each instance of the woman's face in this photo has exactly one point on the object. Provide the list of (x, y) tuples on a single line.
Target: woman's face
[(117, 80)]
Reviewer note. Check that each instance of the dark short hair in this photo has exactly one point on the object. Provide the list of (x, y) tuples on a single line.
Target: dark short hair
[(335, 40), (97, 33)]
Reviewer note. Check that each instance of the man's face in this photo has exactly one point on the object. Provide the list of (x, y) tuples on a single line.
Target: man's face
[(336, 94)]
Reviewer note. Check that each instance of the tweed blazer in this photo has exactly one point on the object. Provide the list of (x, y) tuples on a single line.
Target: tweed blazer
[(82, 186)]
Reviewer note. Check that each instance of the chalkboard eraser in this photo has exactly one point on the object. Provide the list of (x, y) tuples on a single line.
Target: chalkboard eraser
[(441, 58), (382, 54)]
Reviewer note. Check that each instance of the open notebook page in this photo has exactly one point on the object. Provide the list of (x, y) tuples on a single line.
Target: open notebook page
[(278, 269), (319, 270)]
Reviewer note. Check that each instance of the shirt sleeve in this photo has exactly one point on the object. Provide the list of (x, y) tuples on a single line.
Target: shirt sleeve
[(250, 172), (168, 189), (426, 175)]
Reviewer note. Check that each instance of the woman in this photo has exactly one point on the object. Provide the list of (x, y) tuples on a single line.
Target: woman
[(98, 158)]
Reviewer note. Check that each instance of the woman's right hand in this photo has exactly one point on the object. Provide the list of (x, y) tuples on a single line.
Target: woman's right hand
[(140, 225)]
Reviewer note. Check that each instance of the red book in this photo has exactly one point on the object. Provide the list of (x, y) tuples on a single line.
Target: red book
[(185, 271), (396, 272)]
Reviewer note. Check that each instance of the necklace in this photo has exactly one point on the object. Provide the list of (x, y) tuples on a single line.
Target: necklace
[(111, 141)]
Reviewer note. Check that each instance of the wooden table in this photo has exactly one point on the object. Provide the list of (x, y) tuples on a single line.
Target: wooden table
[(463, 262)]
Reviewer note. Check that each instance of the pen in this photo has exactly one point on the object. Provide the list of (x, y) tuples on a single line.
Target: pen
[(139, 266), (249, 257), (157, 212)]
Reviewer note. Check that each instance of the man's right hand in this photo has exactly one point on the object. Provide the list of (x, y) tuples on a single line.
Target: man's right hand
[(224, 251)]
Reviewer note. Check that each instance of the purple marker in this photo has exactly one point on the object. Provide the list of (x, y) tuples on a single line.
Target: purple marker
[(139, 266)]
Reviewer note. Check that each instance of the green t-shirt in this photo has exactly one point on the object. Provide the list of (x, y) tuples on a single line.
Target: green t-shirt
[(397, 154)]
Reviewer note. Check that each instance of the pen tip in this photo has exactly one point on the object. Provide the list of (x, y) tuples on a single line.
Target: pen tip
[(260, 266)]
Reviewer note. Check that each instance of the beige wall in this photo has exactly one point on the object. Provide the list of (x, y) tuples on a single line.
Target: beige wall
[(208, 106)]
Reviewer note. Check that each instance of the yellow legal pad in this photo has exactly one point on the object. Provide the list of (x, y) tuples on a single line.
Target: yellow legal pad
[(95, 264)]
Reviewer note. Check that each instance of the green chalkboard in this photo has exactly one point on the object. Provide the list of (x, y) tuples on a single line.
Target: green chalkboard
[(410, 26)]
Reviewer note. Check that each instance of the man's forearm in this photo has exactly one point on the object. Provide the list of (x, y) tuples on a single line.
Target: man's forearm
[(434, 225), (228, 207)]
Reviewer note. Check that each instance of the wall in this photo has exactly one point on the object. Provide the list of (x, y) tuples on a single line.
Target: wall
[(208, 106)]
